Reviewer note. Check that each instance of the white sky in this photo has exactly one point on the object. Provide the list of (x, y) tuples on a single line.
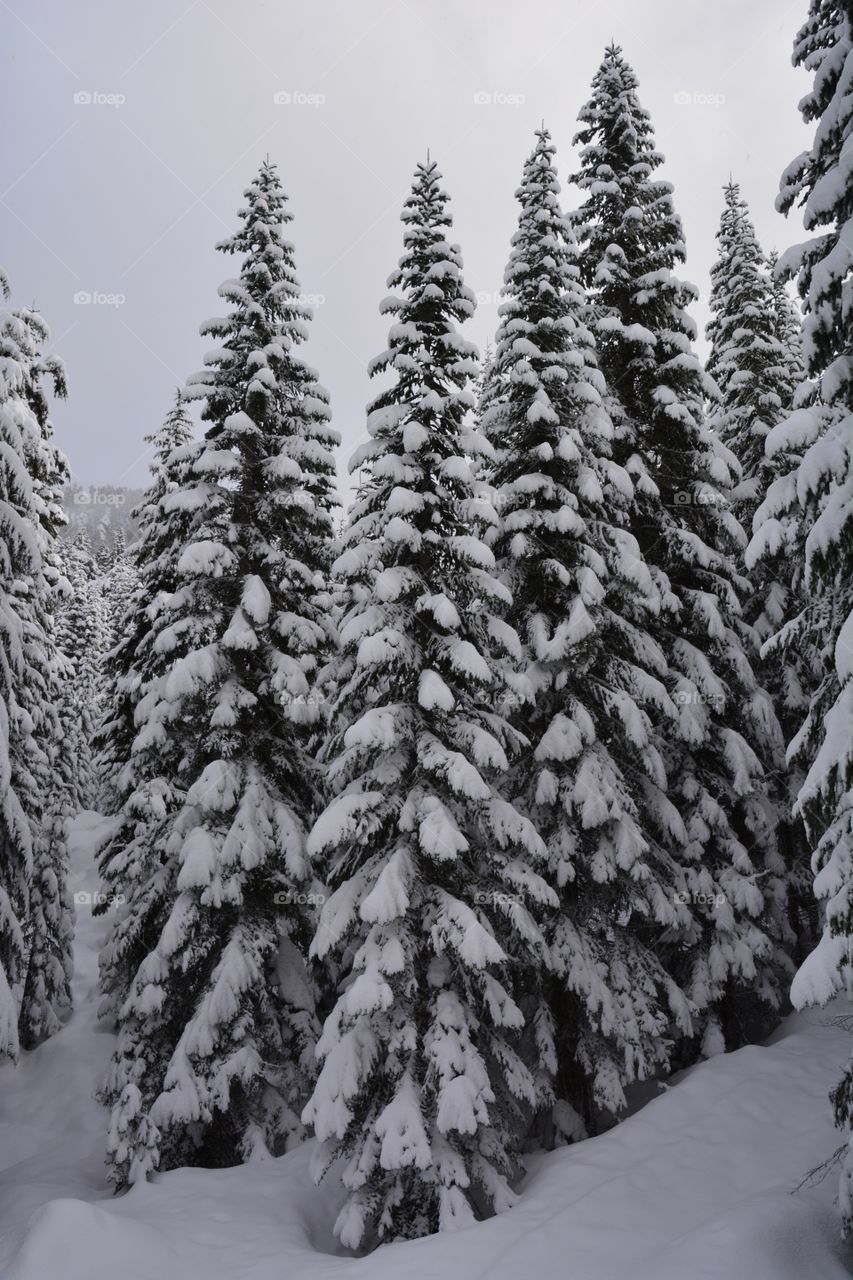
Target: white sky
[(130, 199)]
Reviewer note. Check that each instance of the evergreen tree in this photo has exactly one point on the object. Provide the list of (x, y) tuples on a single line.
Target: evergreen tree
[(132, 661), (216, 1034), (631, 241), (593, 782), (142, 770), (747, 357), (119, 578), (80, 638), (810, 506), (49, 935), (754, 360), (423, 1091), (789, 331), (35, 913), (18, 556)]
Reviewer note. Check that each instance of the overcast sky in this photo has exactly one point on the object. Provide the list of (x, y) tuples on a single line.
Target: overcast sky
[(123, 197)]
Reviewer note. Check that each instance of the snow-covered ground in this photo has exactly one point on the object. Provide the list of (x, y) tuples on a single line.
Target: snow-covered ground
[(697, 1185)]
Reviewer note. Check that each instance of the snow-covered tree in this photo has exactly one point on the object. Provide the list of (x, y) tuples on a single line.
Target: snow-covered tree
[(593, 782), (133, 661), (36, 917), (119, 579), (755, 362), (789, 331), (423, 1093), (216, 1032), (49, 935), (80, 638), (631, 241), (810, 506), (141, 772), (19, 555), (747, 358)]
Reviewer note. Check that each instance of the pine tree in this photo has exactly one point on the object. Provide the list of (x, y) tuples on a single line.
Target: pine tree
[(423, 1091), (747, 357), (132, 661), (46, 996), (754, 361), (141, 770), (118, 583), (216, 1034), (789, 331), (810, 506), (631, 241), (36, 917), (593, 782), (80, 639), (18, 556)]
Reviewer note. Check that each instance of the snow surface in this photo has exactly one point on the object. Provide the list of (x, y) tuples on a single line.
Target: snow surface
[(696, 1186)]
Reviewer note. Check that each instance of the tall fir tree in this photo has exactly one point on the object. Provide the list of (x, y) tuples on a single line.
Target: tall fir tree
[(80, 637), (747, 358), (216, 1033), (754, 360), (423, 1092), (46, 996), (35, 913), (132, 661), (731, 958), (18, 555), (811, 507), (593, 781), (789, 331), (141, 772)]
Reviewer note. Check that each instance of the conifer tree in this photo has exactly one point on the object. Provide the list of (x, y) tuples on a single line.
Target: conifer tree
[(747, 356), (133, 662), (593, 781), (142, 770), (810, 508), (631, 241), (423, 1092), (80, 639), (35, 913), (789, 331), (754, 361), (49, 936), (18, 556), (216, 1033)]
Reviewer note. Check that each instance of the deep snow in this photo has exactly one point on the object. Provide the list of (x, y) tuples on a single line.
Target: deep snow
[(697, 1185)]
